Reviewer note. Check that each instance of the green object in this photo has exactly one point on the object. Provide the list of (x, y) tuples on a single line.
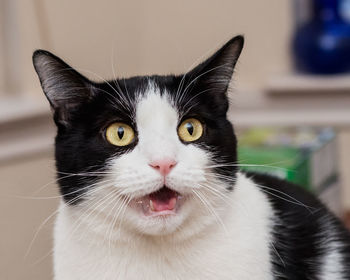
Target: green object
[(287, 163), (304, 156)]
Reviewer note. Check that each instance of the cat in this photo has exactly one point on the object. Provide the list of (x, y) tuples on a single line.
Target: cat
[(151, 187)]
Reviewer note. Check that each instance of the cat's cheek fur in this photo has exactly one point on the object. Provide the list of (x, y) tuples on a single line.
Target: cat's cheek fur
[(131, 174), (239, 248)]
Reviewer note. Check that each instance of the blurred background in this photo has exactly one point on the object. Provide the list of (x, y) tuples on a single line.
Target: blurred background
[(290, 104)]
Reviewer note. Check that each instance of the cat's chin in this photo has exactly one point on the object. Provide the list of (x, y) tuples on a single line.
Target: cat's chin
[(163, 203)]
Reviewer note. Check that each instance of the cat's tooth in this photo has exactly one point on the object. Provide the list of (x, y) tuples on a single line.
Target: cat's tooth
[(172, 203), (151, 204)]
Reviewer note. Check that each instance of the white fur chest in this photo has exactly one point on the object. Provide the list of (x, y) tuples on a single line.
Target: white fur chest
[(240, 251)]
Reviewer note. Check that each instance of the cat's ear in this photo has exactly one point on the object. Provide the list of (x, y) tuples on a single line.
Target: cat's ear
[(215, 73), (65, 88)]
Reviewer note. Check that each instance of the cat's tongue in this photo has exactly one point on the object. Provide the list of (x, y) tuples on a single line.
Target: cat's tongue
[(162, 200)]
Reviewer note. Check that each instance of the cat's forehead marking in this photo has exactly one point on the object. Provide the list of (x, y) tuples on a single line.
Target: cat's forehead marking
[(156, 122), (155, 108)]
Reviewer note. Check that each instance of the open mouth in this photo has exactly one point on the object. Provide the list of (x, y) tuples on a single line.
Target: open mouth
[(159, 203)]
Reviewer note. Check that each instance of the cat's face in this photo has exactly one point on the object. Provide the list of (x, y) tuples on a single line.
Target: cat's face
[(151, 154)]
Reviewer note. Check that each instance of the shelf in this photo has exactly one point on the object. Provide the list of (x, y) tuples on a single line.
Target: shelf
[(309, 84), (26, 127), (292, 117), (259, 108), (19, 108)]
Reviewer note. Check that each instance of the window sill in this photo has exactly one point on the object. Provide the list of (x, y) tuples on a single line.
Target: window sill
[(26, 128), (18, 108)]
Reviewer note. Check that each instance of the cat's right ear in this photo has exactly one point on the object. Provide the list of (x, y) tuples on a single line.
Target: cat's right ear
[(65, 88)]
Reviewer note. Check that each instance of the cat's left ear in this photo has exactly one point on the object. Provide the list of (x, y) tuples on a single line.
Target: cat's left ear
[(215, 73), (65, 88)]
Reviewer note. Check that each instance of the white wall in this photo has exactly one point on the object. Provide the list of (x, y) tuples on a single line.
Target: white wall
[(156, 36), (22, 217)]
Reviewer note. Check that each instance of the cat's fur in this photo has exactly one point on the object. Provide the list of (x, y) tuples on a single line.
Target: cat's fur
[(231, 225)]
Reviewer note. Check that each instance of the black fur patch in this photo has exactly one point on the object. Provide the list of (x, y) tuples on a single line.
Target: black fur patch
[(299, 236)]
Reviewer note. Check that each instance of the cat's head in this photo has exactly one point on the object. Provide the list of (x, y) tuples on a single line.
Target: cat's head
[(154, 154)]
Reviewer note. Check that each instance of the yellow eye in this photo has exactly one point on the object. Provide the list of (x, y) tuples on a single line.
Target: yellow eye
[(120, 134), (190, 130)]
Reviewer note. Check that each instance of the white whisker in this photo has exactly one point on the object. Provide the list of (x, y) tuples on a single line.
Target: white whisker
[(210, 208)]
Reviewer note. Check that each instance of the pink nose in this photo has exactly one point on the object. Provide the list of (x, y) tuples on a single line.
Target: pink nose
[(164, 166)]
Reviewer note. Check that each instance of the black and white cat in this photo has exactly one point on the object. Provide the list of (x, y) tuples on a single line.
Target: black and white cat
[(151, 188)]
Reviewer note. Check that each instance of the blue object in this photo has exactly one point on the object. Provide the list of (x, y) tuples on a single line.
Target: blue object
[(321, 45)]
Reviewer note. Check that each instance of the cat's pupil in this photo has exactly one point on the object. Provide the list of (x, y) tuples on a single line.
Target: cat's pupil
[(189, 128), (120, 132)]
